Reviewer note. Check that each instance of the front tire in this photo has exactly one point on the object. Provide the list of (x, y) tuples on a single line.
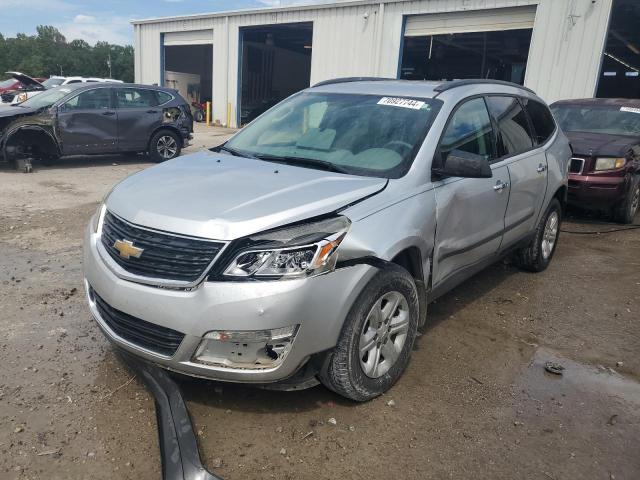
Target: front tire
[(537, 256), (377, 338), (626, 212), (164, 145)]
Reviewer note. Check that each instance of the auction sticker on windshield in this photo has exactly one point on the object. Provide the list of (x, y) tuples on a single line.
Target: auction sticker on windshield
[(401, 102), (630, 109)]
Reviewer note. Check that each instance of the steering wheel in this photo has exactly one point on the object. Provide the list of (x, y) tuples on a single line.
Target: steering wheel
[(398, 146)]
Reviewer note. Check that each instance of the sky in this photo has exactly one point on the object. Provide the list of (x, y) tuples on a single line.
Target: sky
[(108, 20)]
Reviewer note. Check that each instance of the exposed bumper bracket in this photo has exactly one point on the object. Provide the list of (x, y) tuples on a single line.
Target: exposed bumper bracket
[(178, 443)]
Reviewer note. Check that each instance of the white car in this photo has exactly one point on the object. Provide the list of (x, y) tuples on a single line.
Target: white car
[(33, 87)]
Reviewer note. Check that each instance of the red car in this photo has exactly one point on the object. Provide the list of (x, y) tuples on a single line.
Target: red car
[(604, 173)]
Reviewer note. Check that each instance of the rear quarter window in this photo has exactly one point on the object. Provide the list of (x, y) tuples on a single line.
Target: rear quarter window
[(541, 118), (163, 97)]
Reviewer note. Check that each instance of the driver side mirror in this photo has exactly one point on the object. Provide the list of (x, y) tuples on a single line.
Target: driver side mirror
[(464, 164)]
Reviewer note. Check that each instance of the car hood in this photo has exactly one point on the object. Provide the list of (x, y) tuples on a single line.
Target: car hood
[(222, 197), (8, 110), (600, 144), (25, 79)]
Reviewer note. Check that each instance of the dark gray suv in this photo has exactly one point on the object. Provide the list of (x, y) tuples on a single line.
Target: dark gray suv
[(86, 119)]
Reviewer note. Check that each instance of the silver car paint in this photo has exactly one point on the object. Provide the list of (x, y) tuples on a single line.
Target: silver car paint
[(455, 224), (222, 197)]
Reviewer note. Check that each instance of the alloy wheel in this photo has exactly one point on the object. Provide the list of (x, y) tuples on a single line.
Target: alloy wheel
[(167, 147), (384, 334), (550, 234)]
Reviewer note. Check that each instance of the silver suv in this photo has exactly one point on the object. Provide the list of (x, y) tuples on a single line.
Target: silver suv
[(307, 247)]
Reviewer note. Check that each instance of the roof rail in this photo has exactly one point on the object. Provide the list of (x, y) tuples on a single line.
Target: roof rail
[(461, 83), (351, 79)]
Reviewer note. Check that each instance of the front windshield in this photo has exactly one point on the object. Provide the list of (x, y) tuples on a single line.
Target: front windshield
[(52, 82), (46, 98), (368, 135), (598, 119), (7, 83)]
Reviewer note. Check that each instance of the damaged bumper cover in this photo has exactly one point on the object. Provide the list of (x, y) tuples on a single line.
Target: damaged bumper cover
[(249, 332), (178, 443)]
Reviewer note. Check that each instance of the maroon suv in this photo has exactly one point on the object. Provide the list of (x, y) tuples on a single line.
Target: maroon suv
[(604, 173)]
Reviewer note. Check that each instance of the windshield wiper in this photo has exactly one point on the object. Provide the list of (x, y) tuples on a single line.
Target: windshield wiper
[(305, 162), (234, 152)]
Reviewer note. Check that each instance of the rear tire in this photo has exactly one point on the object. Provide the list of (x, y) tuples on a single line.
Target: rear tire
[(626, 211), (377, 337), (198, 116), (536, 256), (164, 145)]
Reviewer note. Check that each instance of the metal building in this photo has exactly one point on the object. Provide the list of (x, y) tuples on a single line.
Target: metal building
[(246, 61)]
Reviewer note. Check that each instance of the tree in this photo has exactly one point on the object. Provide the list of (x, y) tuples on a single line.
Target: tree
[(48, 53)]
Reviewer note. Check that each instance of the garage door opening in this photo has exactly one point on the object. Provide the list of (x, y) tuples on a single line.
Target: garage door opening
[(276, 63), (188, 64), (620, 74), (490, 44)]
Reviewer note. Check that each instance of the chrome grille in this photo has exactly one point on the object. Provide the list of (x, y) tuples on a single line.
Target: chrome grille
[(165, 256)]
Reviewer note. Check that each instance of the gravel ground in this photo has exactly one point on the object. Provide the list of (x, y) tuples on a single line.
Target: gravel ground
[(474, 402)]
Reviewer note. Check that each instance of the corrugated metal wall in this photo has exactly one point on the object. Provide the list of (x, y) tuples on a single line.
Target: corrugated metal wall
[(364, 38)]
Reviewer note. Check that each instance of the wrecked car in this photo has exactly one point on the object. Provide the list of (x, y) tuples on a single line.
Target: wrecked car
[(307, 247), (95, 118), (604, 173), (23, 87)]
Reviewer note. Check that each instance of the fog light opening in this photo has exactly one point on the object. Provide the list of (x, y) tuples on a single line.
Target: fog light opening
[(247, 349)]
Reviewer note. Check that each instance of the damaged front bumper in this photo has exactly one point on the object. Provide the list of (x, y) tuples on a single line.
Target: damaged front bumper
[(251, 332)]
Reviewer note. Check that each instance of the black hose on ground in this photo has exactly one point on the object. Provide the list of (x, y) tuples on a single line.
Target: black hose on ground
[(178, 443)]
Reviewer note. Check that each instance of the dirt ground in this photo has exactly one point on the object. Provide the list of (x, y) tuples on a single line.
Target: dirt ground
[(475, 401)]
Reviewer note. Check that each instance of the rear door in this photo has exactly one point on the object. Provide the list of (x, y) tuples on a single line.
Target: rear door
[(470, 211), (138, 116), (88, 124), (527, 164)]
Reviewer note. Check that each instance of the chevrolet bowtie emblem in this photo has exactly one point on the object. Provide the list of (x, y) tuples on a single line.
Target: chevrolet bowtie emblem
[(126, 249)]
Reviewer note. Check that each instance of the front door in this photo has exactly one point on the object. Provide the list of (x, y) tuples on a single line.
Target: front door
[(138, 116), (88, 124), (470, 211), (527, 166)]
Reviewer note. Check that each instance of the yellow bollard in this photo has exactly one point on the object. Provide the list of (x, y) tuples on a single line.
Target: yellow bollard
[(208, 114), (229, 115)]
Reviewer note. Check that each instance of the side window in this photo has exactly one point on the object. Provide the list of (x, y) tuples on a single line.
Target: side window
[(469, 130), (541, 118), (163, 97), (136, 98), (74, 81), (97, 99), (514, 136)]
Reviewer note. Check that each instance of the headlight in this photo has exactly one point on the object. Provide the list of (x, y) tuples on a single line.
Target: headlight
[(96, 220), (609, 163), (294, 252), (21, 97)]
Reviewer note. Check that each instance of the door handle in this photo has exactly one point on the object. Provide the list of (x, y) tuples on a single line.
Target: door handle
[(498, 187), (541, 168), (108, 113)]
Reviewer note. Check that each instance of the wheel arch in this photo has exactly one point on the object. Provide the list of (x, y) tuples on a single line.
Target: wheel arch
[(170, 128), (561, 194), (29, 134)]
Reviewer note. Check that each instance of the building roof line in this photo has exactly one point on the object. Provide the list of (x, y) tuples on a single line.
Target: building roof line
[(252, 11)]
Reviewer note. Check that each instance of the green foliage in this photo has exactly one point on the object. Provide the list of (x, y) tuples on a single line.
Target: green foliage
[(48, 53)]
